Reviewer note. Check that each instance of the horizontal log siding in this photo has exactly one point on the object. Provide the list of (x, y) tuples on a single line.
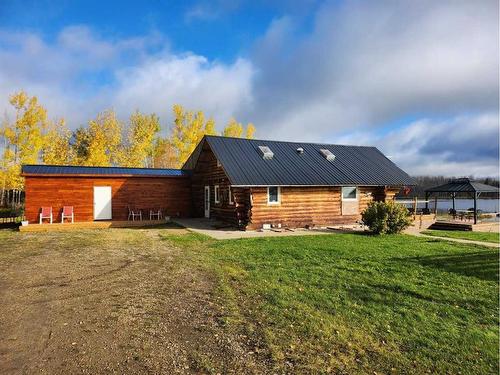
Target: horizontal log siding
[(301, 206), (172, 194), (208, 173)]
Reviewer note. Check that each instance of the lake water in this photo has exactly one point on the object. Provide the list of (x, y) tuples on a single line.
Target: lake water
[(443, 205)]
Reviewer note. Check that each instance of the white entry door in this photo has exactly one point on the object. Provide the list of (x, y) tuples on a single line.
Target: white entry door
[(350, 201), (207, 201), (102, 202)]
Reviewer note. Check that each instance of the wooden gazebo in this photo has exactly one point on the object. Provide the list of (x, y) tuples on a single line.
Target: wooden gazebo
[(462, 187)]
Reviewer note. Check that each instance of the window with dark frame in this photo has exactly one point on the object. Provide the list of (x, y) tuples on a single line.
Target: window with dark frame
[(273, 195)]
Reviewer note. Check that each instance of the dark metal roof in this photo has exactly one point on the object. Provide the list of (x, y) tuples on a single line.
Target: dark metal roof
[(68, 170), (353, 165), (463, 185)]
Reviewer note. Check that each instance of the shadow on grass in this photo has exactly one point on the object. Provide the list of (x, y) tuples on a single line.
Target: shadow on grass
[(481, 264), (169, 225)]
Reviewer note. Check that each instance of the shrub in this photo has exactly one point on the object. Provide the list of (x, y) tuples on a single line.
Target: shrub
[(386, 217)]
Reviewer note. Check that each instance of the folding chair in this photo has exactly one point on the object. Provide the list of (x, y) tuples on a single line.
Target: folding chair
[(132, 214), (154, 213), (67, 213), (46, 213)]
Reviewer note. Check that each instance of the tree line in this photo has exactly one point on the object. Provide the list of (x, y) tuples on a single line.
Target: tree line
[(31, 138)]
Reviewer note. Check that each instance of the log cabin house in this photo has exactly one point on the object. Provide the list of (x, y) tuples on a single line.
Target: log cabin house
[(248, 183)]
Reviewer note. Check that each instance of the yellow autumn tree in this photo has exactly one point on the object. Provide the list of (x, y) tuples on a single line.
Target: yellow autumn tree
[(27, 131), (7, 166), (236, 129), (80, 140), (188, 130), (164, 155), (23, 138), (104, 141), (142, 133), (56, 149)]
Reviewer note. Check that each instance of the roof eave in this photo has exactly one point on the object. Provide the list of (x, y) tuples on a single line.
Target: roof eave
[(95, 175)]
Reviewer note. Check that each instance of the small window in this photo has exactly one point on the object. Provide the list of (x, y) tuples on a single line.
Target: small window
[(216, 194), (218, 163), (273, 195), (230, 195), (349, 193)]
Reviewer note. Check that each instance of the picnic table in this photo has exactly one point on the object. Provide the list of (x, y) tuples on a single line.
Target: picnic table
[(465, 214)]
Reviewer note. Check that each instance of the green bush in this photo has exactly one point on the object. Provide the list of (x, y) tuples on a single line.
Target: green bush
[(386, 217)]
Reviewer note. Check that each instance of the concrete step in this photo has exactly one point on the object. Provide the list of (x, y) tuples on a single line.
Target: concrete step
[(451, 226)]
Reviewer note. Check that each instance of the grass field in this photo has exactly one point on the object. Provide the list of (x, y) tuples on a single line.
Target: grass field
[(360, 304), (164, 300), (474, 236)]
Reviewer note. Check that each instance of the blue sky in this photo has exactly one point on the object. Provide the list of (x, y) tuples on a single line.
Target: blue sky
[(419, 80), (222, 30)]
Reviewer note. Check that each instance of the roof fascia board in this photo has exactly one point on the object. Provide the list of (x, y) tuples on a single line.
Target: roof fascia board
[(95, 175), (368, 185)]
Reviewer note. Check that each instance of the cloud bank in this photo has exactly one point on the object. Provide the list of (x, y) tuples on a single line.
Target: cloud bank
[(417, 79)]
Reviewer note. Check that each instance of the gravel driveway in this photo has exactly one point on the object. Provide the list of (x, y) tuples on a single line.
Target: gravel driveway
[(110, 301)]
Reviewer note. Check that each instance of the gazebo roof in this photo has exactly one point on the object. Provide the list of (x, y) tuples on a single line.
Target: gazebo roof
[(463, 185)]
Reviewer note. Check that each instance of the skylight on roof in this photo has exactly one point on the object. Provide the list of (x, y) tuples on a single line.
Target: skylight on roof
[(266, 152), (327, 154)]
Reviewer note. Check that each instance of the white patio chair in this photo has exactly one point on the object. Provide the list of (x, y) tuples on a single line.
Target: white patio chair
[(155, 214), (132, 214)]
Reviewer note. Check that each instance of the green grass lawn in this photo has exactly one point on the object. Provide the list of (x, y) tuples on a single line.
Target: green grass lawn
[(351, 303), (475, 236)]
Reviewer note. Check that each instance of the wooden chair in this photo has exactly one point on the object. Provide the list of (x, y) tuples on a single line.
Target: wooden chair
[(46, 213), (133, 213), (67, 213), (155, 213)]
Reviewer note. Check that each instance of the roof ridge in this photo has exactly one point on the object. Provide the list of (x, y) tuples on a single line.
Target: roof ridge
[(296, 142)]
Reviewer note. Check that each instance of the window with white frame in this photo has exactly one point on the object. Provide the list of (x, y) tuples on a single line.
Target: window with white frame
[(216, 194), (349, 193), (230, 195), (218, 163), (273, 195)]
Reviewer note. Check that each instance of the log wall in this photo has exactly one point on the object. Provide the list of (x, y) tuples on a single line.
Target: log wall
[(171, 194), (208, 173), (301, 206)]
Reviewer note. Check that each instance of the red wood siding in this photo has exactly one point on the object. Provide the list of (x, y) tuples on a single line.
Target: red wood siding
[(172, 194)]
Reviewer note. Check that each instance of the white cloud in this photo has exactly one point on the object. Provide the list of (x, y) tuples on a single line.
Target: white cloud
[(368, 63), (210, 10), (459, 146), (190, 80), (82, 73)]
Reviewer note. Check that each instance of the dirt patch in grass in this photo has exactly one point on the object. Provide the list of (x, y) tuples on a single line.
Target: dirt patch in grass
[(111, 301)]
